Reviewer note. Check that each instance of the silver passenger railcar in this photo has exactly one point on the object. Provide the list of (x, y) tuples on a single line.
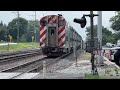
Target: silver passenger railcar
[(56, 36)]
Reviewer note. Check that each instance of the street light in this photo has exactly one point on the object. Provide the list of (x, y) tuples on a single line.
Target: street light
[(17, 26)]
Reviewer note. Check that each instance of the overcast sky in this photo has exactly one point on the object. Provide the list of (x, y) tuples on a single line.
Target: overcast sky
[(7, 16)]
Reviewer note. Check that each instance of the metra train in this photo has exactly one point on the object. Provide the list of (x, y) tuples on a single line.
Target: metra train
[(57, 37)]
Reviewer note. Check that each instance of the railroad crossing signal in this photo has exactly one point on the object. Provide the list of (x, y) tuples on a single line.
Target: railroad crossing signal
[(81, 21)]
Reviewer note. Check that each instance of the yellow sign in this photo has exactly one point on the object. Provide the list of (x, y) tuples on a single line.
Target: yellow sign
[(32, 38), (10, 38)]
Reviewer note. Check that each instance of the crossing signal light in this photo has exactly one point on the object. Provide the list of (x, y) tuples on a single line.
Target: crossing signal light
[(81, 21)]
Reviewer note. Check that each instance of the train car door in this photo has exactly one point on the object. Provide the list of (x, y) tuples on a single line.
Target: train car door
[(52, 36)]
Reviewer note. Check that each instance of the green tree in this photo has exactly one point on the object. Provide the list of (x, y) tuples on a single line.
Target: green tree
[(107, 35), (3, 32), (23, 38), (88, 31), (116, 36), (115, 25), (31, 29), (12, 27), (115, 21)]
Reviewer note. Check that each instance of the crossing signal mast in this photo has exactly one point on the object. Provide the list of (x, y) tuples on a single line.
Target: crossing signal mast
[(92, 42)]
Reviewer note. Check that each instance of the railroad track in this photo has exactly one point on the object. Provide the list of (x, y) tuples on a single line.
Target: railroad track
[(36, 67), (19, 52), (11, 69), (19, 56)]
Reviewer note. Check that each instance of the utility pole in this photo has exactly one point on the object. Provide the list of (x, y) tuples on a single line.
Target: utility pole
[(18, 28), (17, 25), (92, 37), (99, 35), (34, 24), (91, 15)]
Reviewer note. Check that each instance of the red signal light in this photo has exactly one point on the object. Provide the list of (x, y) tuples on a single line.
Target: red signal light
[(81, 21)]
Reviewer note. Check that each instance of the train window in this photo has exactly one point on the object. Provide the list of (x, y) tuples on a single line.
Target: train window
[(43, 23), (52, 31)]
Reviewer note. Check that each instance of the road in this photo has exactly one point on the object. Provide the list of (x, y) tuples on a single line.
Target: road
[(2, 44)]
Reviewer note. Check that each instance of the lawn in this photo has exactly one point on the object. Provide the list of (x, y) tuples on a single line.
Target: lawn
[(18, 47), (90, 76), (110, 73)]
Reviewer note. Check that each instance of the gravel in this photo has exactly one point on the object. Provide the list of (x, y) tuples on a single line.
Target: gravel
[(67, 65), (62, 64)]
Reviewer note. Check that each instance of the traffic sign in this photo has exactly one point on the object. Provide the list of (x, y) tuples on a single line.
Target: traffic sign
[(10, 38)]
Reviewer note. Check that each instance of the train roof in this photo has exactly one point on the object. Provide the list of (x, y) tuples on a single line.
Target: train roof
[(53, 16)]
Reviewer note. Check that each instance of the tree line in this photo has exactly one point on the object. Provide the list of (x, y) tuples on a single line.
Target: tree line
[(26, 30)]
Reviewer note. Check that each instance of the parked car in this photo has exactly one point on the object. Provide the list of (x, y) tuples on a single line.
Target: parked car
[(115, 53), (108, 45), (117, 57)]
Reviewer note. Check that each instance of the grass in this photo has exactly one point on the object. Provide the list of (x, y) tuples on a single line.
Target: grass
[(90, 76), (85, 56), (18, 47), (109, 73), (112, 71)]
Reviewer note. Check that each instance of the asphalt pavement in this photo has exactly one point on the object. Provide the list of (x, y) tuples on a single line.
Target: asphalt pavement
[(2, 44)]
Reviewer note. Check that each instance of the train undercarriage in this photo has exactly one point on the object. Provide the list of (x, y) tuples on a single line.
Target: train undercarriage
[(56, 51)]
